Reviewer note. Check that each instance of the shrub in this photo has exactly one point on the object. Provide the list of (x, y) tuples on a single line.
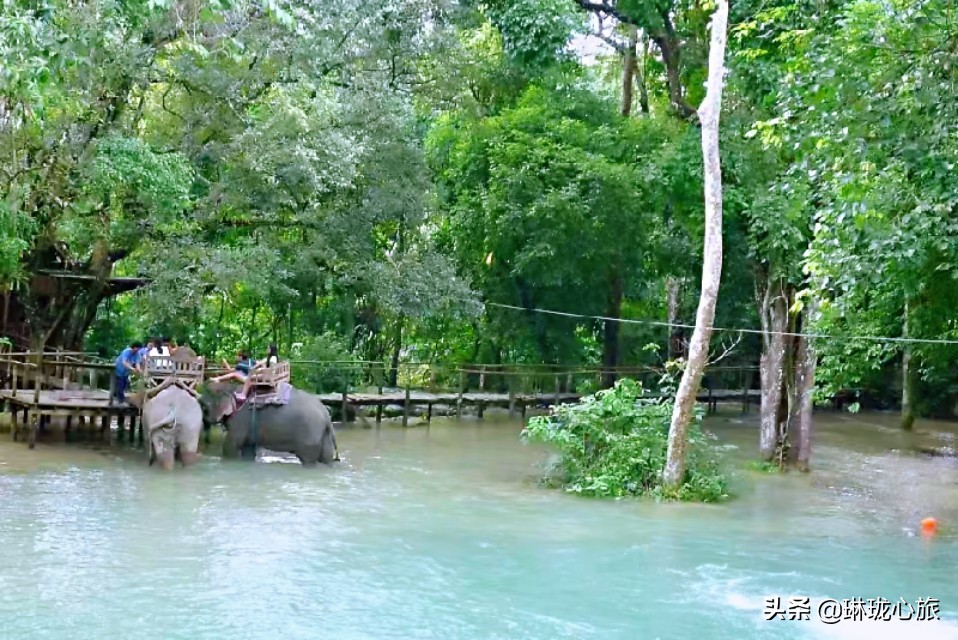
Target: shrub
[(614, 443)]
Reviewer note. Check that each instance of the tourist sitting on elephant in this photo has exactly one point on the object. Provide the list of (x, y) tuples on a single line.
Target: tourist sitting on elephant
[(240, 371), (272, 357)]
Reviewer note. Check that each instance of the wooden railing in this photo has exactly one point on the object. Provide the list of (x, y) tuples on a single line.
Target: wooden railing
[(78, 370)]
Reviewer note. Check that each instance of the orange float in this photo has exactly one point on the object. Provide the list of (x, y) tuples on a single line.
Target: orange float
[(929, 527)]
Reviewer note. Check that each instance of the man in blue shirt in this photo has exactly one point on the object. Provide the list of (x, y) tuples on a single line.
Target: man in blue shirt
[(127, 361)]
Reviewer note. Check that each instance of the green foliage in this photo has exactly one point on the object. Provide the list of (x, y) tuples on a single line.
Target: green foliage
[(613, 444), (763, 466), (342, 371), (536, 32), (16, 235)]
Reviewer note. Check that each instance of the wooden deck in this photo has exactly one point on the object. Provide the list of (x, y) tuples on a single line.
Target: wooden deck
[(32, 410), (514, 402)]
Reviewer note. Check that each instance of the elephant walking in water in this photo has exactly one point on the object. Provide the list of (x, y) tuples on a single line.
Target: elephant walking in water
[(172, 419), (302, 426)]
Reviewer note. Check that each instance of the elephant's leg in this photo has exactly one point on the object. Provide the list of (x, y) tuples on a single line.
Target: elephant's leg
[(165, 455), (327, 448), (231, 448), (164, 447), (189, 457), (308, 455)]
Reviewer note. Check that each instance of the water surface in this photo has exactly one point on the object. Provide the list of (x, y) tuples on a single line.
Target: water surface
[(443, 533)]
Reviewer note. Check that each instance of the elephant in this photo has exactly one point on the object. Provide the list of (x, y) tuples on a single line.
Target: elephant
[(302, 427), (172, 420)]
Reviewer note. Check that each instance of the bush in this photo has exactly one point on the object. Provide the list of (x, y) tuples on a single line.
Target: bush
[(614, 443)]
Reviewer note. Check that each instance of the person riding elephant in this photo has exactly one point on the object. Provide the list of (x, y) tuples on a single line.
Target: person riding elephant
[(302, 426), (172, 419)]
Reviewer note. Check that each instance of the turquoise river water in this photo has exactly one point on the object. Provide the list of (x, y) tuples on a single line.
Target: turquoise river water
[(442, 532)]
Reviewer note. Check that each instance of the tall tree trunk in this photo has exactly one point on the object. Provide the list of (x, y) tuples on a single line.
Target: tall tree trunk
[(773, 312), (628, 71), (640, 77), (610, 341), (674, 473), (672, 297), (397, 349), (907, 377), (800, 419)]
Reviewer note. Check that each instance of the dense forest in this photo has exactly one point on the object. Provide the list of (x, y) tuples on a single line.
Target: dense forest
[(418, 180)]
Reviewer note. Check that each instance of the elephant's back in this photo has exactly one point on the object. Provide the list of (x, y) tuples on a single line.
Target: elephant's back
[(307, 401)]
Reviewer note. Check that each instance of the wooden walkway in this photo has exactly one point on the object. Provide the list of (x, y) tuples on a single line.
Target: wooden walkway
[(65, 387), (514, 402), (31, 410)]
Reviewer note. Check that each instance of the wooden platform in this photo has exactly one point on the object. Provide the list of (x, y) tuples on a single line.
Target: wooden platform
[(92, 404), (514, 402)]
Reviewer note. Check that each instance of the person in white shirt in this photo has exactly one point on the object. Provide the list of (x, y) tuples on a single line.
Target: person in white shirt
[(159, 349)]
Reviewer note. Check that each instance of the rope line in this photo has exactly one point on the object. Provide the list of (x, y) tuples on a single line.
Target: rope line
[(660, 323)]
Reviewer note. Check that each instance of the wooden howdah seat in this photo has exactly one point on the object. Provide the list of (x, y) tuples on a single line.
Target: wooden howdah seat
[(268, 379), (184, 367)]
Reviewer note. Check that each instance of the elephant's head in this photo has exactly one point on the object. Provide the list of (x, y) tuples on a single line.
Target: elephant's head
[(218, 402)]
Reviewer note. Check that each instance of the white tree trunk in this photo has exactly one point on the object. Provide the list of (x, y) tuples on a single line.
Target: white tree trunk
[(674, 472)]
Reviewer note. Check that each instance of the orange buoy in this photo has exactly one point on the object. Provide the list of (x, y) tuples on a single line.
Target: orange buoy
[(929, 526)]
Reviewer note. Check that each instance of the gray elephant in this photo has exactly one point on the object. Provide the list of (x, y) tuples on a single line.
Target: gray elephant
[(302, 426), (172, 421)]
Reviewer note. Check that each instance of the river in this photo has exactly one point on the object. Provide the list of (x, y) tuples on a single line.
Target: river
[(442, 532)]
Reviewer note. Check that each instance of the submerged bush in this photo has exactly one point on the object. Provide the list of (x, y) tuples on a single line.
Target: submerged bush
[(613, 444)]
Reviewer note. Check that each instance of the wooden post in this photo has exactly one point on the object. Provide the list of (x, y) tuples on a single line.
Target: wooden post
[(68, 428), (558, 390), (105, 426), (481, 408), (512, 398), (462, 388), (121, 429), (482, 378), (568, 382), (429, 412), (379, 405), (26, 423), (405, 409), (745, 381), (34, 426), (112, 389), (345, 406), (36, 386)]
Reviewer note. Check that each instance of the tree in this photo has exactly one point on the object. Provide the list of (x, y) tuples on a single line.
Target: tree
[(709, 111)]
